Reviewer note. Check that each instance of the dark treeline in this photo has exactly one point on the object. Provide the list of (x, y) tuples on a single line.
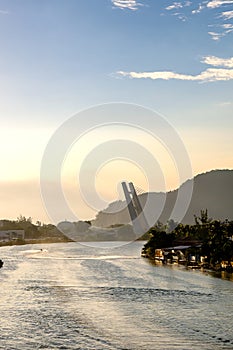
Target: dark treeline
[(33, 232), (213, 237)]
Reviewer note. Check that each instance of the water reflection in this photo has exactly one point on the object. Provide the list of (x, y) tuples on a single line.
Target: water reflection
[(75, 297)]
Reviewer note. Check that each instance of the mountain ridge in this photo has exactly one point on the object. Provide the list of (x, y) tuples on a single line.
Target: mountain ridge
[(212, 190)]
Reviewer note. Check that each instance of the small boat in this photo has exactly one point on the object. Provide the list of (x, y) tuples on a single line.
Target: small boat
[(193, 265), (1, 263)]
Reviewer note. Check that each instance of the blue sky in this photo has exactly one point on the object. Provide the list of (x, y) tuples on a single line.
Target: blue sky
[(59, 57)]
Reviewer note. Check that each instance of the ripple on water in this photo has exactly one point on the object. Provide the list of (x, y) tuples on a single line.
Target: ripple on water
[(109, 303)]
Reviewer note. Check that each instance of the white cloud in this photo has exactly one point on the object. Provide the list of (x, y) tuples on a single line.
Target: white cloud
[(218, 62), (182, 5), (227, 26), (174, 6), (216, 36), (227, 14), (180, 16), (209, 75), (177, 7), (199, 9), (217, 3), (126, 4), (4, 12)]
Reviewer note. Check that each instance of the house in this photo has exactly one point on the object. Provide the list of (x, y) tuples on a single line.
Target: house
[(11, 235)]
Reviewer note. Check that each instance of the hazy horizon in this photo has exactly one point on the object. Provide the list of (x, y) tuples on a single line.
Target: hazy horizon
[(20, 194)]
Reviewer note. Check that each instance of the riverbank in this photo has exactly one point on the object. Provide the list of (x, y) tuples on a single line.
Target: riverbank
[(47, 240), (206, 244), (189, 263)]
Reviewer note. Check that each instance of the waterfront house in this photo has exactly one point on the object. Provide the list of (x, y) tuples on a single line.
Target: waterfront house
[(11, 235)]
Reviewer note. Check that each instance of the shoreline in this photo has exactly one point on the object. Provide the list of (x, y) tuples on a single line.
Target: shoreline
[(34, 241), (203, 268)]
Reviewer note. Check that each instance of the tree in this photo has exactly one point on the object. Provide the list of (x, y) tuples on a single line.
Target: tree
[(216, 238), (22, 218), (159, 239), (203, 219), (171, 225), (203, 224)]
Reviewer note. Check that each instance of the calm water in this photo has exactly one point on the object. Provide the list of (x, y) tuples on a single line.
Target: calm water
[(77, 297)]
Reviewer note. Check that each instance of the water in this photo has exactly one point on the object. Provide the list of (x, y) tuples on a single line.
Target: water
[(77, 297)]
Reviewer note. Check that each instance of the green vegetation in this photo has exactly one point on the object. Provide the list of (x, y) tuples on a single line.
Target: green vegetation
[(64, 232), (213, 238), (39, 233)]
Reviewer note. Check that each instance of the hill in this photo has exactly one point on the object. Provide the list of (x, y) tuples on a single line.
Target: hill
[(212, 190)]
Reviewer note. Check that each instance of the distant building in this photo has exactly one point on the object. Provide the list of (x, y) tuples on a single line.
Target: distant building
[(11, 235)]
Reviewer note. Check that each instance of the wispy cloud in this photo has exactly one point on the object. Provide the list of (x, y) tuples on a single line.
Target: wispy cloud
[(199, 9), (126, 4), (227, 26), (208, 75), (183, 10), (217, 35), (181, 16), (218, 62), (174, 6), (227, 14), (217, 3), (178, 5)]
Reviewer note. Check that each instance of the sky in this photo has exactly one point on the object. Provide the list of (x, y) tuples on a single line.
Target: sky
[(59, 58)]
